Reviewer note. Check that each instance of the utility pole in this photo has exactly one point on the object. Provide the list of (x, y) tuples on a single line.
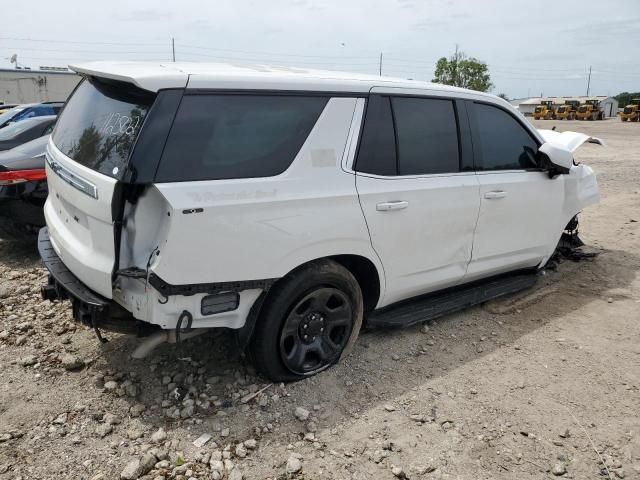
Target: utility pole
[(380, 65), (173, 48), (455, 67), (589, 81)]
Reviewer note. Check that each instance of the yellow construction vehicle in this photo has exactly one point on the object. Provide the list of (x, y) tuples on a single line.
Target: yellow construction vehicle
[(632, 111), (590, 110), (568, 110), (544, 110)]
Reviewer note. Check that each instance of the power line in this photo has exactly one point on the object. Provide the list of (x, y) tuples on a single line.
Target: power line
[(76, 42)]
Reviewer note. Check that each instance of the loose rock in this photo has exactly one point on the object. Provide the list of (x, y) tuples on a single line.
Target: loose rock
[(302, 414), (103, 430), (294, 465), (202, 440), (28, 361), (71, 362), (159, 436), (559, 469)]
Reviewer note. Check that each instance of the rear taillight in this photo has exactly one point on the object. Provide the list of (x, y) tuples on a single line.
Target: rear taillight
[(21, 176)]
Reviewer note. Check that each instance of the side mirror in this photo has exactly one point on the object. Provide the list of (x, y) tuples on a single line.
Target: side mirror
[(555, 159)]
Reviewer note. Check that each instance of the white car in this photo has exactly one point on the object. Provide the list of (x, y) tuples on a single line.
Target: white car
[(294, 206)]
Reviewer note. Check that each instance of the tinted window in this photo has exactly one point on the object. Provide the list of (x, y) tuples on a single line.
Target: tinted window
[(504, 142), (427, 136), (48, 129), (18, 128), (377, 152), (100, 124), (237, 136), (10, 115), (44, 110)]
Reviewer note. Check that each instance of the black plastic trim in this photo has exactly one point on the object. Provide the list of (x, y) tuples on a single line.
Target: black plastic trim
[(147, 151), (428, 307), (464, 137), (231, 303), (88, 307), (167, 289)]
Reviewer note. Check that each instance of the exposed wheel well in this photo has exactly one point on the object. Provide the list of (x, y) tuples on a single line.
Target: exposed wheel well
[(367, 276), (364, 271)]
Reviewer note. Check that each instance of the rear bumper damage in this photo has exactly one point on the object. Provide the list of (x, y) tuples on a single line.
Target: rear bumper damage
[(162, 315), (89, 308)]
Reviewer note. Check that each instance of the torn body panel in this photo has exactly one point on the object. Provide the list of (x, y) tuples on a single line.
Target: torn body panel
[(569, 140), (581, 186)]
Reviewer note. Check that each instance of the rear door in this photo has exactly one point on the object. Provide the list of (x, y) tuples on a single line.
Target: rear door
[(418, 193), (521, 217), (86, 158)]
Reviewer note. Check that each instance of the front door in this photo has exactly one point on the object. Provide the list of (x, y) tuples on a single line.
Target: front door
[(421, 209), (521, 216)]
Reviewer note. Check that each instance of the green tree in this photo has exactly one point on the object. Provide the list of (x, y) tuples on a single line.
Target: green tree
[(463, 71), (624, 98)]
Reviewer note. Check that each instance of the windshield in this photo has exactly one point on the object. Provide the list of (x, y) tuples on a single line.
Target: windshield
[(9, 114), (12, 131), (100, 123)]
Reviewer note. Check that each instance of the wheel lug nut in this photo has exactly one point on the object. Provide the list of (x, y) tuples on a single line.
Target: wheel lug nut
[(306, 337), (305, 326)]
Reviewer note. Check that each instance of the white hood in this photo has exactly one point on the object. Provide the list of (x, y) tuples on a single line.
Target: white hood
[(569, 140)]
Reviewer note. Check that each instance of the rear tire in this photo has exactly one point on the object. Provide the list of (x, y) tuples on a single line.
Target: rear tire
[(309, 321)]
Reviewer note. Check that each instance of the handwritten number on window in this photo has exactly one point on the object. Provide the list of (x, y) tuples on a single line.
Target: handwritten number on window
[(118, 124)]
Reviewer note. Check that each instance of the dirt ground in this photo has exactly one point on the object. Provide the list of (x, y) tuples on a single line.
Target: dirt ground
[(541, 384)]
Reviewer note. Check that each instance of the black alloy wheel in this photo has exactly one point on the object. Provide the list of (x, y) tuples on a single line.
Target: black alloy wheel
[(316, 331)]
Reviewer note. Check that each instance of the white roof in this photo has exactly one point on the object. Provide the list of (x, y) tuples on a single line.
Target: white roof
[(156, 76)]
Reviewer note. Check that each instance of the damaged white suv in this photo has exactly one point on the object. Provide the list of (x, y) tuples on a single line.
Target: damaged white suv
[(294, 206)]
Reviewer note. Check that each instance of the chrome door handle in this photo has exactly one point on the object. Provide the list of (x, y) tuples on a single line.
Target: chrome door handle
[(495, 194), (399, 205)]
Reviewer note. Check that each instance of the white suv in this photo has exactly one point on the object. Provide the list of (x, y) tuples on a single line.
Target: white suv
[(294, 206)]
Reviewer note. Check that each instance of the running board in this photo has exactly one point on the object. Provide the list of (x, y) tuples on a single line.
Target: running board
[(434, 305)]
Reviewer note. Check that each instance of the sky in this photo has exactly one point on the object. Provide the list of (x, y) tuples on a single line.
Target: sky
[(531, 47)]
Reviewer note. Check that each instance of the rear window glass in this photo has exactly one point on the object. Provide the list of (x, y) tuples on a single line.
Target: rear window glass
[(237, 136), (100, 123)]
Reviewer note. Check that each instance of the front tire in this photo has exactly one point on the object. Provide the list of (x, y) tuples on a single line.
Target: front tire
[(309, 321)]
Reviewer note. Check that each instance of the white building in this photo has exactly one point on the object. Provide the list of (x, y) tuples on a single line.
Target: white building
[(31, 86), (607, 104)]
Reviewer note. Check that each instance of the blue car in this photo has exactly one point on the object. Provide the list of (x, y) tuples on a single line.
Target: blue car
[(30, 110)]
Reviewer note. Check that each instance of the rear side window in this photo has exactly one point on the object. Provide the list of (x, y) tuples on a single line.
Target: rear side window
[(237, 136), (377, 152), (427, 136), (504, 143), (100, 123)]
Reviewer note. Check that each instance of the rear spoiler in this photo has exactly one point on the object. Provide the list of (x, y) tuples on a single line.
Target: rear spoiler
[(148, 76)]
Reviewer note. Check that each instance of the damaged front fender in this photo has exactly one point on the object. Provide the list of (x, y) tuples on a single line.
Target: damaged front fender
[(581, 189)]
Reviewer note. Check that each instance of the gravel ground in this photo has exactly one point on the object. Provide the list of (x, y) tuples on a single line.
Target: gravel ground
[(541, 384)]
